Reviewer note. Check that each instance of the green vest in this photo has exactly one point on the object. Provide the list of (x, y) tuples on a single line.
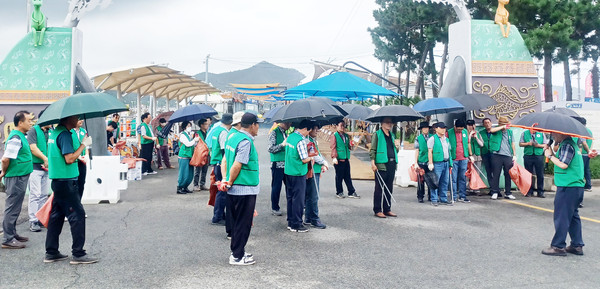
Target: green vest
[(249, 173), (161, 141), (531, 150), (465, 142), (23, 164), (573, 175), (280, 155), (117, 132), (148, 134), (382, 154), (475, 148), (78, 138), (589, 141), (486, 142), (42, 144), (216, 154), (438, 150), (185, 151), (58, 168), (293, 163), (342, 148), (423, 150), (316, 167), (496, 140)]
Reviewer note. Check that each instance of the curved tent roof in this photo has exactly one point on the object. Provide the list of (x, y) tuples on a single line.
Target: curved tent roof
[(157, 80)]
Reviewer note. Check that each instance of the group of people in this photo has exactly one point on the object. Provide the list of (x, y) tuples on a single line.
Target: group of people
[(40, 157)]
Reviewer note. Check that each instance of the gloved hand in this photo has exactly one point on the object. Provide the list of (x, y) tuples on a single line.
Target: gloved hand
[(472, 158), (222, 186), (334, 161), (430, 166), (87, 141), (514, 158)]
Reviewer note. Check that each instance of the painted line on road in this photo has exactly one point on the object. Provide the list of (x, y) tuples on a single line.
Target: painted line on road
[(547, 210)]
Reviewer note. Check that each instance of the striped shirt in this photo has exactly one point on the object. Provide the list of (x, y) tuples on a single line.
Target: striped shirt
[(12, 148)]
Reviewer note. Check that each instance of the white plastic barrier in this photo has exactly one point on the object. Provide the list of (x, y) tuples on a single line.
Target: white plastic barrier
[(405, 159), (104, 180)]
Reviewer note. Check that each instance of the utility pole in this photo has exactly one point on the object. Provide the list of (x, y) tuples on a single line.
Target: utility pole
[(206, 78)]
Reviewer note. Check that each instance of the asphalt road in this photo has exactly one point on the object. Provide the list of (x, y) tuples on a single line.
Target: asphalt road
[(154, 238)]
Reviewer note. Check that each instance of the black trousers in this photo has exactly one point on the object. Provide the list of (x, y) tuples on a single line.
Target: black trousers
[(295, 192), (277, 179), (421, 184), (342, 173), (146, 154), (66, 204), (380, 202), (489, 170), (535, 164), (501, 163), (81, 179), (242, 213)]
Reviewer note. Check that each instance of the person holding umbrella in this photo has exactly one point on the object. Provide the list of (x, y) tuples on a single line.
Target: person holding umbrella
[(162, 146), (384, 160), (534, 143), (503, 157), (219, 137), (569, 180), (200, 172), (187, 143), (340, 145), (440, 161), (486, 153), (296, 169), (147, 140), (421, 159)]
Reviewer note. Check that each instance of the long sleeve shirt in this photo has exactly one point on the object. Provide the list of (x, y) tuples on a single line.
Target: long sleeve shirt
[(333, 144), (274, 147)]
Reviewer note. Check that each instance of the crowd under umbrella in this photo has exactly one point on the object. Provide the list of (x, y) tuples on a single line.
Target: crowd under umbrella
[(187, 113), (549, 122), (475, 101), (438, 105), (356, 111), (313, 109)]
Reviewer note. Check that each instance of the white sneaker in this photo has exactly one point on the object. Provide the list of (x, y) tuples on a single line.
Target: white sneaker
[(510, 197), (246, 260), (494, 196)]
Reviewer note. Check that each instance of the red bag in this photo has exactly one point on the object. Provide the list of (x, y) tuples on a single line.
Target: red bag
[(43, 214), (212, 190), (412, 173), (521, 177), (475, 181), (200, 156)]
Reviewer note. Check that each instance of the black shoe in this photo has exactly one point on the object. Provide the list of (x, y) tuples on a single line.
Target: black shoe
[(300, 229), (340, 195), (187, 191), (420, 200), (580, 205), (541, 195), (318, 225), (354, 196), (180, 191), (53, 258), (219, 223), (85, 259)]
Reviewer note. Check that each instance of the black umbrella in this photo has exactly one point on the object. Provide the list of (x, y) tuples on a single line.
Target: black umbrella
[(475, 101), (396, 112), (356, 111), (554, 122), (269, 114), (565, 111), (306, 109)]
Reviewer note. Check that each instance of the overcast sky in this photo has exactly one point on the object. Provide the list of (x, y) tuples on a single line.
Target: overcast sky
[(236, 33)]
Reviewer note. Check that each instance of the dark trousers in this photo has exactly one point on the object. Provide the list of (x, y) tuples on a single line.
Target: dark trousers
[(311, 206), (221, 198), (501, 163), (66, 204), (162, 154), (587, 174), (242, 213), (421, 184), (382, 197), (342, 173), (566, 216), (15, 193), (295, 192), (146, 154), (489, 170), (535, 164), (81, 178), (200, 175), (277, 179)]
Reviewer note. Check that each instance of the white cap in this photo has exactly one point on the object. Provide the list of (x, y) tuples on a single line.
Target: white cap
[(237, 117)]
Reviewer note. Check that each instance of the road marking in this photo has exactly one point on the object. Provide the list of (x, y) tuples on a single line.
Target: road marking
[(548, 210)]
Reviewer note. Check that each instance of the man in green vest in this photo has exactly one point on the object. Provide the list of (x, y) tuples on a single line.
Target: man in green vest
[(586, 148), (16, 166), (459, 143), (533, 158), (384, 160), (296, 169), (200, 172), (242, 186), (475, 145), (162, 152), (486, 154), (440, 161), (311, 207), (218, 138), (63, 171), (78, 133), (147, 140), (277, 142), (187, 143), (39, 186), (569, 180), (421, 159), (502, 147), (340, 145)]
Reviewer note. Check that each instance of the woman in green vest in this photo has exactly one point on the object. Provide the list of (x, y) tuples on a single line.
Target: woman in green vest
[(421, 156), (384, 160), (475, 145), (533, 158), (569, 180), (187, 143)]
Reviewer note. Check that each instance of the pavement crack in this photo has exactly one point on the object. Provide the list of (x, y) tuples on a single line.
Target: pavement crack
[(127, 215), (77, 275)]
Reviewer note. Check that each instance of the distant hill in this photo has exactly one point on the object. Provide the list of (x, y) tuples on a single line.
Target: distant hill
[(263, 72)]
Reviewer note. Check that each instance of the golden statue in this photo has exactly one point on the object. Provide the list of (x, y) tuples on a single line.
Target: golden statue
[(502, 17)]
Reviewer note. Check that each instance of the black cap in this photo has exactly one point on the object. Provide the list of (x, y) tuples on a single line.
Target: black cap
[(306, 123), (459, 123), (227, 118), (470, 122), (424, 125), (162, 120), (439, 124), (250, 118)]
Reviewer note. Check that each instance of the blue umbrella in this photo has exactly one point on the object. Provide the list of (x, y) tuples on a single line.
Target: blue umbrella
[(192, 112), (341, 85), (438, 105)]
